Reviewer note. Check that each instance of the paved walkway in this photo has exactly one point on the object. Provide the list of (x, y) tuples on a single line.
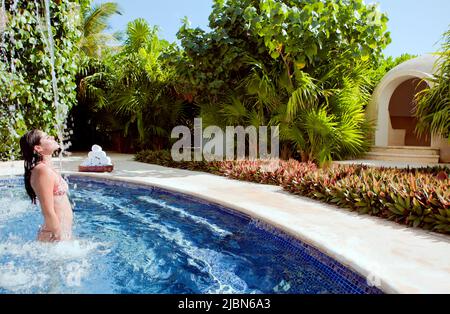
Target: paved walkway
[(405, 260)]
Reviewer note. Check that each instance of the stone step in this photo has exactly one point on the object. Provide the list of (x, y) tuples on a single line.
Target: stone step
[(416, 158), (408, 150)]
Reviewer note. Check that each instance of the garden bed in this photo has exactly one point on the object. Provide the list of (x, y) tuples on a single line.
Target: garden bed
[(417, 197)]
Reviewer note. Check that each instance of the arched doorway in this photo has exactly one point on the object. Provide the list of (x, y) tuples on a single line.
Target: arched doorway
[(392, 102), (401, 113)]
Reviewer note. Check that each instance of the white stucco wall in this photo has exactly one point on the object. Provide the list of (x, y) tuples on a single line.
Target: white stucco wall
[(378, 109)]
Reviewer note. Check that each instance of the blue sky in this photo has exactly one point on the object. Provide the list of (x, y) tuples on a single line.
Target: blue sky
[(416, 26)]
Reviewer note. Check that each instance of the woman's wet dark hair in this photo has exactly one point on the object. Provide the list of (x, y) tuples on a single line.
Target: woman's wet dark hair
[(30, 157)]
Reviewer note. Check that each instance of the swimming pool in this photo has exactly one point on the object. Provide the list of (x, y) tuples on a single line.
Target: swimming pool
[(139, 239)]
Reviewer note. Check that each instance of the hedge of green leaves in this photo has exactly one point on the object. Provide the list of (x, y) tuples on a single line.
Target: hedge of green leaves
[(26, 94), (415, 197)]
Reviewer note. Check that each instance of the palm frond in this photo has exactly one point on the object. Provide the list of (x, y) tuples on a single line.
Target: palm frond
[(293, 134), (305, 96), (255, 118), (157, 130), (433, 104), (139, 34), (234, 112), (210, 116), (260, 84), (95, 22), (350, 136)]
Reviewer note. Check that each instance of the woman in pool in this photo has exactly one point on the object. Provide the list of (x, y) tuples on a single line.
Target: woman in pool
[(44, 183)]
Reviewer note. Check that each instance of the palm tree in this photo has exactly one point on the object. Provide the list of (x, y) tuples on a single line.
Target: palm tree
[(93, 79), (135, 87), (319, 119), (94, 41), (433, 104)]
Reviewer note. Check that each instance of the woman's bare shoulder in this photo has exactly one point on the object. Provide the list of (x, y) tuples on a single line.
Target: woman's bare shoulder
[(41, 168), (41, 171)]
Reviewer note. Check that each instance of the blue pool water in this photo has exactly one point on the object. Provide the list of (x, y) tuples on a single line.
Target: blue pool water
[(132, 239)]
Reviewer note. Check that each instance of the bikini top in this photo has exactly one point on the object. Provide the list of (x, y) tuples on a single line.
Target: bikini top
[(61, 187)]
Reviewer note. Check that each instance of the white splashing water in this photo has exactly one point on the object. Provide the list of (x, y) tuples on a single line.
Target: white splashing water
[(61, 109), (47, 265), (12, 63), (12, 207), (183, 213), (28, 266), (216, 264)]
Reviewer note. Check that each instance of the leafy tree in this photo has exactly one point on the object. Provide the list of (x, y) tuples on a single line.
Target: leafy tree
[(387, 64), (309, 33)]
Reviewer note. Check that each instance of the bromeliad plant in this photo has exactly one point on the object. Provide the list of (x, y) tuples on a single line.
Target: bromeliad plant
[(415, 197), (418, 198)]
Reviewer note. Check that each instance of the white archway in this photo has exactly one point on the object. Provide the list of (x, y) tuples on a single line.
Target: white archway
[(378, 109)]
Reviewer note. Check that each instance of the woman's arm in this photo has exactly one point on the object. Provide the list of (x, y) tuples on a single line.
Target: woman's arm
[(43, 187)]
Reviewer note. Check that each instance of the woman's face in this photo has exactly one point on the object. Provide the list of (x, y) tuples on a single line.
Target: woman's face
[(47, 145)]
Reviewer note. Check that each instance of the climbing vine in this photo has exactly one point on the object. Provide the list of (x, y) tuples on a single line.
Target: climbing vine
[(26, 92)]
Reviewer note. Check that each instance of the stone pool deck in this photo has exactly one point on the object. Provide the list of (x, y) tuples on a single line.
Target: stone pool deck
[(402, 260)]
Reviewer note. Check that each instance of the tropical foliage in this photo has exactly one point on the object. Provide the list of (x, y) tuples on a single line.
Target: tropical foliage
[(388, 63), (94, 41), (26, 91), (433, 104), (306, 66), (132, 91)]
